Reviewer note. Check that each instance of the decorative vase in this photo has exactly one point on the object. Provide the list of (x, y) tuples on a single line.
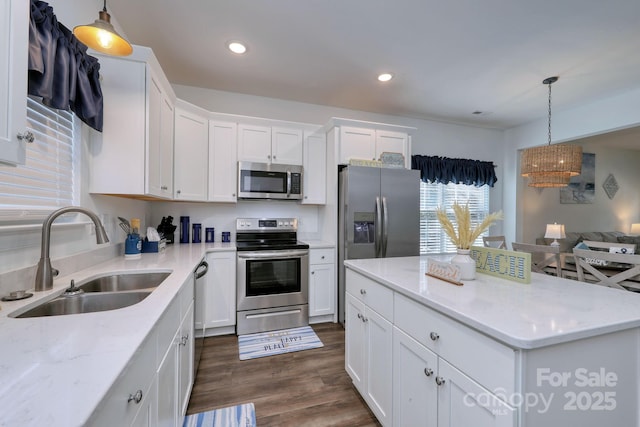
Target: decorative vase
[(466, 263)]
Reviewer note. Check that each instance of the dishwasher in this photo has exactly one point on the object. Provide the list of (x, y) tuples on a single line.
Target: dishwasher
[(198, 330)]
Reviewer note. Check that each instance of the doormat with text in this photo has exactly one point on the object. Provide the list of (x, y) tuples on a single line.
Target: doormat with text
[(234, 416), (277, 342)]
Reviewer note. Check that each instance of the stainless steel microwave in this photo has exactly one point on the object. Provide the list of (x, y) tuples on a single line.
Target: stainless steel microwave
[(269, 181)]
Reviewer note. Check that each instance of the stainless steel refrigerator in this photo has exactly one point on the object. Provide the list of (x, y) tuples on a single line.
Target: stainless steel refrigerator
[(378, 217)]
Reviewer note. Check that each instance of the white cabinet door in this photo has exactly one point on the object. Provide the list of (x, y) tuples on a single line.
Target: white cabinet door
[(160, 149), (166, 148), (185, 361), (223, 161), (147, 414), (14, 40), (379, 354), (220, 290), (415, 393), (168, 388), (357, 143), (462, 402), (254, 143), (355, 342), (286, 146), (191, 157), (391, 142), (321, 289), (314, 164)]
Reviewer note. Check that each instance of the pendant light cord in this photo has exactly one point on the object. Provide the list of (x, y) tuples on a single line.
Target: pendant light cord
[(104, 9), (549, 113)]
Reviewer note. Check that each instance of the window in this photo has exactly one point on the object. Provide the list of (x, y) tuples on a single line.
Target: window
[(47, 180), (432, 196)]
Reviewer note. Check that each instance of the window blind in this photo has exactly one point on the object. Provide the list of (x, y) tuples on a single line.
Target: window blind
[(433, 239), (46, 181)]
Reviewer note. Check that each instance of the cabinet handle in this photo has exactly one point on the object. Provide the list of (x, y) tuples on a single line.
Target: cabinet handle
[(27, 136), (268, 156), (363, 292), (428, 372), (233, 194), (359, 316), (440, 380), (364, 319), (184, 339), (137, 398), (313, 272), (178, 191), (274, 157), (434, 336), (322, 257)]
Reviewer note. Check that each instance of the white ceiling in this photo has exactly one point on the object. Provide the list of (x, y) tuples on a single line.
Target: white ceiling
[(450, 57)]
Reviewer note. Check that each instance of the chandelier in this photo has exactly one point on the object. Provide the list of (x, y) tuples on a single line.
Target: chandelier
[(551, 165)]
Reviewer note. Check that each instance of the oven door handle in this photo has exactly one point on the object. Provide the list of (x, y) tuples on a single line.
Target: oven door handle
[(272, 254)]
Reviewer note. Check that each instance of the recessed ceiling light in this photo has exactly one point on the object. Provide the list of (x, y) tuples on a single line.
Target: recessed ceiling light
[(237, 47), (385, 77)]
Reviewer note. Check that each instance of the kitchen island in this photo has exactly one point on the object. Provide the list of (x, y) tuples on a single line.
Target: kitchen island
[(87, 369), (491, 352)]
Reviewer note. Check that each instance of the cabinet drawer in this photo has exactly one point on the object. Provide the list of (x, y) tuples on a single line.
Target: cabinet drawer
[(487, 361), (116, 408), (374, 295), (321, 256)]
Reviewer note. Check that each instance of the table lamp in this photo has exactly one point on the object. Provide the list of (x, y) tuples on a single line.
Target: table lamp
[(635, 229), (555, 231)]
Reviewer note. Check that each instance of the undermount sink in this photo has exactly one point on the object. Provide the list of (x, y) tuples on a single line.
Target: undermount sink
[(85, 303), (103, 293), (124, 282)]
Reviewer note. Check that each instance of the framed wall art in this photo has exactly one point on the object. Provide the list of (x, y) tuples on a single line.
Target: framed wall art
[(581, 188)]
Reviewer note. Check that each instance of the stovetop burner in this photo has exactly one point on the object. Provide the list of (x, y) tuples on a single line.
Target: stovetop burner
[(256, 234)]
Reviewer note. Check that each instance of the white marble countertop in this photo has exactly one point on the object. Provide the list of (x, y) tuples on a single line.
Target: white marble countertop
[(55, 370), (319, 244), (545, 312)]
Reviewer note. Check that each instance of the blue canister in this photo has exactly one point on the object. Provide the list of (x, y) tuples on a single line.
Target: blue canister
[(226, 236), (133, 245), (184, 229), (209, 236), (195, 237)]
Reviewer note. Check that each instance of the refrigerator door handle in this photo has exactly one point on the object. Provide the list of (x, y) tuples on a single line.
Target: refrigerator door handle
[(385, 227), (378, 226)]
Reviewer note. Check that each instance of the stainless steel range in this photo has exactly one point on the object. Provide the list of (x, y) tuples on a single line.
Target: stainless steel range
[(272, 275)]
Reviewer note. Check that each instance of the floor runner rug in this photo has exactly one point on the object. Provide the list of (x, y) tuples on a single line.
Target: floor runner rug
[(277, 342), (233, 416)]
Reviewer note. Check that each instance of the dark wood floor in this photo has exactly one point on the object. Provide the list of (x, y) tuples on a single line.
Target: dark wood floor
[(305, 388)]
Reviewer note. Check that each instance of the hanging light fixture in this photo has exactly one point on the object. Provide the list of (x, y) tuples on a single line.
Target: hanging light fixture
[(551, 165), (101, 35)]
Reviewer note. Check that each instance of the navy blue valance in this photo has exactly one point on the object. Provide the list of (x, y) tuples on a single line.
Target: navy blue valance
[(60, 70), (444, 170)]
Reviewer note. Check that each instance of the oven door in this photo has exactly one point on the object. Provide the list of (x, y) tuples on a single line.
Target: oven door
[(269, 279)]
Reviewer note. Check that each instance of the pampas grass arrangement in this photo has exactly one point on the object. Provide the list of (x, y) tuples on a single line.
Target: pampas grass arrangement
[(465, 234)]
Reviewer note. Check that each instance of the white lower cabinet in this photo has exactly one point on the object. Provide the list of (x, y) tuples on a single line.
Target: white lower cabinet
[(415, 393), (415, 367), (368, 356), (153, 390), (322, 282), (217, 308)]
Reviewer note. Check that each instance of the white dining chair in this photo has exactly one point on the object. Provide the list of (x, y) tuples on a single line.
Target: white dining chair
[(607, 269), (495, 242), (542, 257)]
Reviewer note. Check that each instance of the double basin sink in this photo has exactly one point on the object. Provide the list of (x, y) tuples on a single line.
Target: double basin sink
[(103, 293)]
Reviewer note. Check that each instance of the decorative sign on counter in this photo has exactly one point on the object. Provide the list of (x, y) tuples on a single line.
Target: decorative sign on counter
[(510, 265), (444, 271)]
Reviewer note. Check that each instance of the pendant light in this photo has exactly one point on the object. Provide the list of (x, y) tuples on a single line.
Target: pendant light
[(101, 35), (551, 165)]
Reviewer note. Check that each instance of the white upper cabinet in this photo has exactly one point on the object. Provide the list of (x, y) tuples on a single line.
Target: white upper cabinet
[(14, 40), (264, 144), (314, 164), (134, 153), (369, 143), (223, 161), (191, 155), (286, 146)]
